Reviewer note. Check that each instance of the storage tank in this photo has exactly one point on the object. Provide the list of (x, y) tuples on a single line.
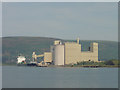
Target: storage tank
[(59, 55)]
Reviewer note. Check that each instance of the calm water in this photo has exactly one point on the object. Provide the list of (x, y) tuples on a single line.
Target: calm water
[(49, 77)]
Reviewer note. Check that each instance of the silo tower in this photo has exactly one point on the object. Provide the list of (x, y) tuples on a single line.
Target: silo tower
[(58, 53)]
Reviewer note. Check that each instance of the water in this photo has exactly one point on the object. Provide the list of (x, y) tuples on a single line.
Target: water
[(0, 77), (50, 77)]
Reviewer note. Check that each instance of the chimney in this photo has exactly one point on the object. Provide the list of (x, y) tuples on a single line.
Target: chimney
[(78, 40)]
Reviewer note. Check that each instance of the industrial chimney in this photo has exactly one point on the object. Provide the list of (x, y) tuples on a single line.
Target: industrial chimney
[(78, 40)]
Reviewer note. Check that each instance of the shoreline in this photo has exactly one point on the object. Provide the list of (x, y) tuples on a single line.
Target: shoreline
[(70, 66), (87, 66)]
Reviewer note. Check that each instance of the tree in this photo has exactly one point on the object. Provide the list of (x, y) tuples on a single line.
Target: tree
[(110, 62)]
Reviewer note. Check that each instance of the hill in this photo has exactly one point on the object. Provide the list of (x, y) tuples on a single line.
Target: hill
[(13, 46)]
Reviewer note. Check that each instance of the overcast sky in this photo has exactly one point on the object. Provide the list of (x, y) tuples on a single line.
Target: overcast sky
[(88, 21)]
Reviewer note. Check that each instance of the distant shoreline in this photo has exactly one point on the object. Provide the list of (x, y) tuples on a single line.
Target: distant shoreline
[(87, 66), (70, 66)]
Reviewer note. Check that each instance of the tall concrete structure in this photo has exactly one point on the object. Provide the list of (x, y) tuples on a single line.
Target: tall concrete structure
[(73, 53), (58, 55), (70, 53)]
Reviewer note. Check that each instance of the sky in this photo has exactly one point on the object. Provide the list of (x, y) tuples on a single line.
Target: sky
[(86, 20)]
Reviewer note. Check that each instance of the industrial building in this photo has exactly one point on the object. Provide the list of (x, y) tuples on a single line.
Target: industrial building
[(70, 53)]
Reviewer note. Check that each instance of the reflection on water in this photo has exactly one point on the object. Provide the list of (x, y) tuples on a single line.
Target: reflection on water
[(49, 77)]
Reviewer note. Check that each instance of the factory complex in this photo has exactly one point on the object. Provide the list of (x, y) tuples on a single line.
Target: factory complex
[(69, 53)]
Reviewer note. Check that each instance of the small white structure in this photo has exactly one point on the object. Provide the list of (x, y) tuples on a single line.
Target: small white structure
[(21, 59)]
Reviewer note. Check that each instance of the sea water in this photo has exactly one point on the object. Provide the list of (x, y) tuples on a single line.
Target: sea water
[(58, 77)]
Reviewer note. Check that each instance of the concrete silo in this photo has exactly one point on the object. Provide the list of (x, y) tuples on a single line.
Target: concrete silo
[(59, 54)]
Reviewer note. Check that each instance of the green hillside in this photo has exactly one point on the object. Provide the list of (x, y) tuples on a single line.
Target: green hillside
[(13, 46)]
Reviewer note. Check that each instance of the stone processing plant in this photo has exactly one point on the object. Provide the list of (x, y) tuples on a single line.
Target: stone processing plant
[(69, 53)]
